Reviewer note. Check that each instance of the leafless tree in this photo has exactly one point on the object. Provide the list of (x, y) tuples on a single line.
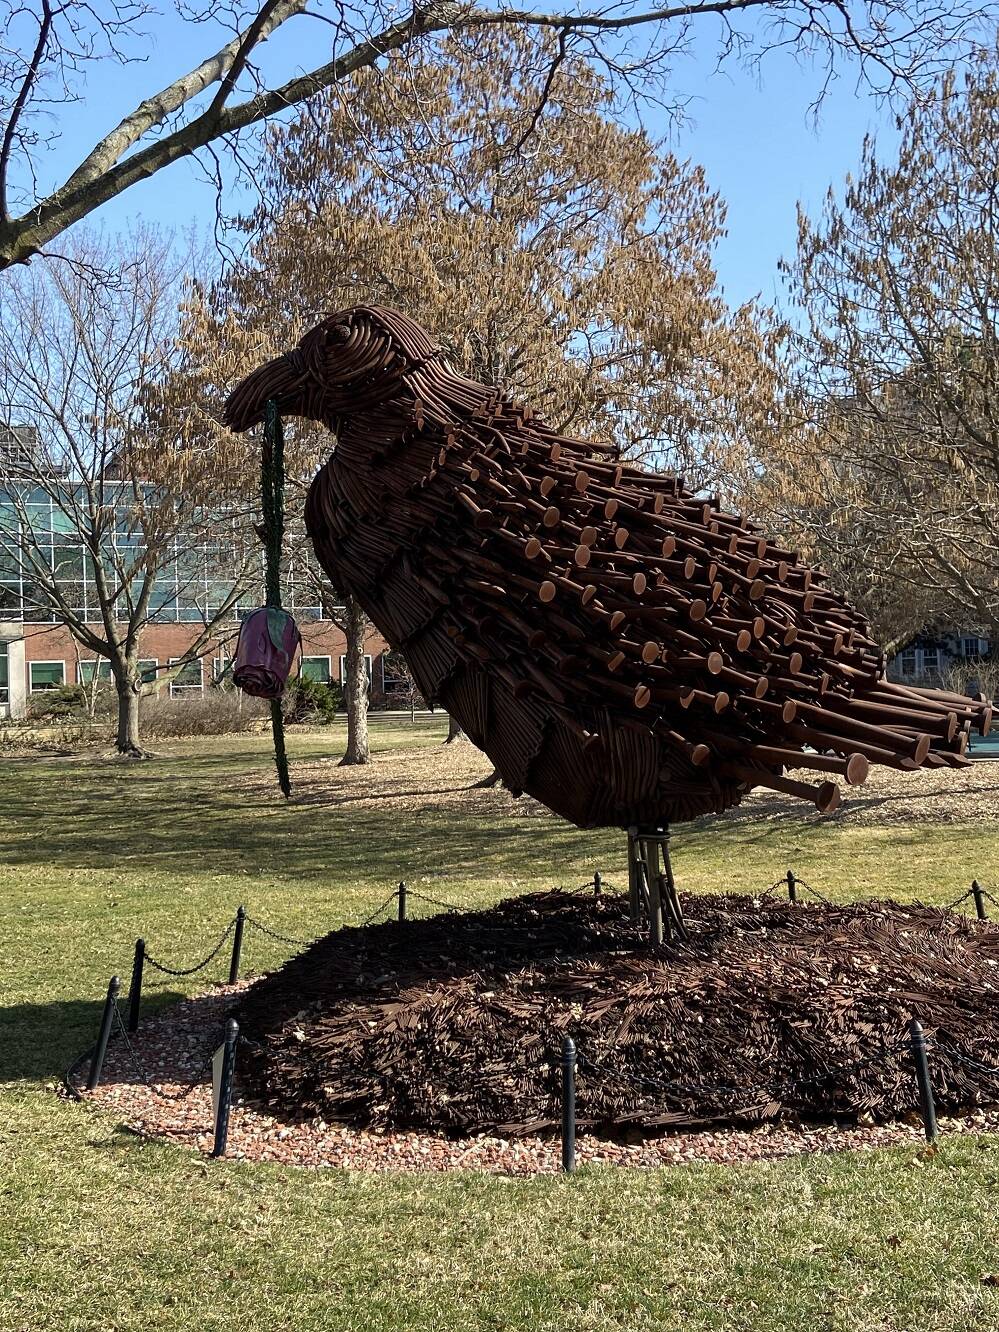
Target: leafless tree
[(50, 48), (108, 517)]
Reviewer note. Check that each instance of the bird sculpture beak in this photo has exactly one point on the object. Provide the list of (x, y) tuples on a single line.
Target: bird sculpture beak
[(282, 379)]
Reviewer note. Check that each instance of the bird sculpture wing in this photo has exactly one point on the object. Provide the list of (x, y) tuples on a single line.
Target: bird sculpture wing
[(622, 649)]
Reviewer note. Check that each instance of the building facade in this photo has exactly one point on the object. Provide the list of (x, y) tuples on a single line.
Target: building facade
[(932, 655), (194, 582)]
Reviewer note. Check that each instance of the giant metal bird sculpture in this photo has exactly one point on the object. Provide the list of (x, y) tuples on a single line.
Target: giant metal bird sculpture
[(619, 647)]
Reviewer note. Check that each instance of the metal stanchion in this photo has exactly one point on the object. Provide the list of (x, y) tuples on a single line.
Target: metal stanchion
[(927, 1107), (107, 1019), (225, 1088), (568, 1105), (237, 945), (402, 901), (135, 988), (979, 896)]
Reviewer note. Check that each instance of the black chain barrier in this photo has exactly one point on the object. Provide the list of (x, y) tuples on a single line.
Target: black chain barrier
[(273, 934), (916, 1043), (189, 971), (434, 901)]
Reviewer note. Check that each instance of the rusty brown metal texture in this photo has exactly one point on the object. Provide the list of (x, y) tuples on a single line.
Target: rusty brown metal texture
[(625, 651)]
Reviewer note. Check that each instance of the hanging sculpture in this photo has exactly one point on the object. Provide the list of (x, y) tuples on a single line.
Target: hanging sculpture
[(621, 649)]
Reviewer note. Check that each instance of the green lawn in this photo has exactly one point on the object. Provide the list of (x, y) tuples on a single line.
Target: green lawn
[(101, 1230)]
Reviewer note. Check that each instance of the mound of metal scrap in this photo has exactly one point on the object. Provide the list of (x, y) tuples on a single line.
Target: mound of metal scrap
[(455, 1022)]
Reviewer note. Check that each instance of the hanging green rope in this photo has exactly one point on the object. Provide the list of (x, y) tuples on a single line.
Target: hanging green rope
[(272, 503)]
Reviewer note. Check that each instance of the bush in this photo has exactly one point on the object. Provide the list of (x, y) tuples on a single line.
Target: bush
[(53, 705), (216, 712), (312, 701)]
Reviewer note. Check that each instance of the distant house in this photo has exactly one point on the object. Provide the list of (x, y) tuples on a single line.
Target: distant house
[(933, 654)]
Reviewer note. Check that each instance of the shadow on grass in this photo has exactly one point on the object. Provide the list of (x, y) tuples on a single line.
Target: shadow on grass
[(40, 1041)]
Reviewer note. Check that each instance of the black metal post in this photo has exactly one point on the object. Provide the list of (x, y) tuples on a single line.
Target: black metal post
[(597, 883), (237, 944), (979, 896), (402, 901), (568, 1105), (104, 1035), (135, 989), (792, 887), (926, 1106), (634, 883), (225, 1088)]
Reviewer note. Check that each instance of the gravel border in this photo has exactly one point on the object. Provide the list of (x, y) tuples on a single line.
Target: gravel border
[(172, 1048)]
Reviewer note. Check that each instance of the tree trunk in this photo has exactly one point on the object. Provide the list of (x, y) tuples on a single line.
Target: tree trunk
[(127, 741), (454, 731), (355, 685)]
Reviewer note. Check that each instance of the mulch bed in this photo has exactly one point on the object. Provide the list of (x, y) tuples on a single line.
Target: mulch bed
[(771, 1012), (175, 1105)]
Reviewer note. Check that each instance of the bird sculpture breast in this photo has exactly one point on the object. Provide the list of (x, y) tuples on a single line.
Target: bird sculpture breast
[(622, 649)]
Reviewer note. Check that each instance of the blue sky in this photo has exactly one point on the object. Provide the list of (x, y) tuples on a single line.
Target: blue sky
[(751, 131)]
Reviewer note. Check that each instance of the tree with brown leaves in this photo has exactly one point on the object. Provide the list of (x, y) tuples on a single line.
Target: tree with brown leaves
[(893, 481), (560, 255)]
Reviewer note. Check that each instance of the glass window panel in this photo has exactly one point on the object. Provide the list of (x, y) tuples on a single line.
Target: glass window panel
[(46, 675), (187, 680), (68, 561), (85, 670), (147, 670), (316, 668), (10, 601), (63, 523)]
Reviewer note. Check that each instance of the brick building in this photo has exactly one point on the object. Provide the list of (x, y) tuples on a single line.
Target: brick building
[(36, 657), (192, 586)]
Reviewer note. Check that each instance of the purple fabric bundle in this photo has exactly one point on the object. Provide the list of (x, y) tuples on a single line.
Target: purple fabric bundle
[(268, 642)]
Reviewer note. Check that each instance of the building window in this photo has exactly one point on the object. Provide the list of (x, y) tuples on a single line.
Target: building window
[(148, 667), (931, 661), (367, 667), (221, 672), (907, 662), (4, 674), (85, 670), (46, 675), (188, 679), (974, 647), (395, 674), (316, 668)]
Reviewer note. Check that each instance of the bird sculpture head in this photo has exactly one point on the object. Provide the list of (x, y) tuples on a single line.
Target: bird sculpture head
[(354, 361)]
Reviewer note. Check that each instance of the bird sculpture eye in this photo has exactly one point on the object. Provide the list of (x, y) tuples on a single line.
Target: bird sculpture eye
[(339, 333)]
